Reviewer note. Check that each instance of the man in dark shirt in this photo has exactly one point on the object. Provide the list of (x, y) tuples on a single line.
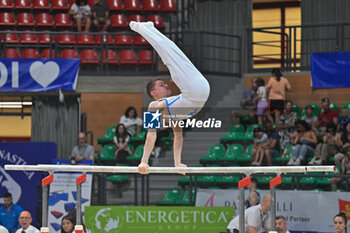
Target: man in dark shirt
[(326, 117), (248, 106), (100, 15)]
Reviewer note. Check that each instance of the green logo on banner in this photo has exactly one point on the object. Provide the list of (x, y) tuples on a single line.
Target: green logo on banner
[(152, 219)]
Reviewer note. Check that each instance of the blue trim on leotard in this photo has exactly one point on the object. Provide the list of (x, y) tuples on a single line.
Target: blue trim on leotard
[(168, 104)]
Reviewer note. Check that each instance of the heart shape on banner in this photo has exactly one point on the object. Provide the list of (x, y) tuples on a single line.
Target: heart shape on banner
[(44, 74)]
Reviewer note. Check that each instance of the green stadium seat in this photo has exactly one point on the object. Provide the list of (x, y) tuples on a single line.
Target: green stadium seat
[(235, 132), (233, 152), (107, 153), (286, 154), (249, 132), (316, 109), (137, 156), (206, 181), (185, 200), (227, 181), (118, 178), (108, 137), (347, 105), (215, 151), (140, 137), (170, 198), (247, 155)]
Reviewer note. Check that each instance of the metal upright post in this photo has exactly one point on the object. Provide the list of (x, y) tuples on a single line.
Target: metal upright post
[(81, 179), (45, 184), (241, 185), (273, 183)]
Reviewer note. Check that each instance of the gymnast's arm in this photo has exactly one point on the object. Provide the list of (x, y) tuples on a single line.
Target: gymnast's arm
[(150, 139)]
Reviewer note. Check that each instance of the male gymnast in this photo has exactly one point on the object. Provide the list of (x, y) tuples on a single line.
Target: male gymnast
[(192, 84)]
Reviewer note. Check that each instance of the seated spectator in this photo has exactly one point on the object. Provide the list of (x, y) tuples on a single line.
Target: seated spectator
[(82, 150), (286, 124), (305, 141), (69, 221), (121, 140), (343, 142), (132, 123), (261, 141), (254, 195), (277, 86), (9, 214), (345, 169), (273, 149), (100, 15), (81, 13), (328, 147), (281, 225), (343, 118), (25, 219), (325, 117), (261, 99), (309, 116), (248, 107)]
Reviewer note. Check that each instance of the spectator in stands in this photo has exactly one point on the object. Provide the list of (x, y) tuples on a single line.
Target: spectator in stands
[(82, 150), (100, 15), (121, 140), (343, 142), (81, 13), (273, 149), (9, 214), (25, 219), (345, 169), (305, 141), (341, 223), (255, 217), (261, 99), (254, 195), (277, 87), (286, 124), (281, 224), (248, 106), (326, 116), (328, 147), (132, 123), (261, 142), (344, 118), (69, 221), (309, 116)]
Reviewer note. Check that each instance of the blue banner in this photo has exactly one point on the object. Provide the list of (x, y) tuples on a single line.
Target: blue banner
[(330, 70), (38, 74), (23, 185)]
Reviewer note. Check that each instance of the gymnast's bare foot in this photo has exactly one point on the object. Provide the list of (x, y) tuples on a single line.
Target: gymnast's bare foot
[(143, 168), (181, 165)]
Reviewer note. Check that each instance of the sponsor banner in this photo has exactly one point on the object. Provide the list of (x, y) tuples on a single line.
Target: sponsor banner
[(23, 185), (63, 194), (38, 74), (305, 211), (330, 70), (152, 219)]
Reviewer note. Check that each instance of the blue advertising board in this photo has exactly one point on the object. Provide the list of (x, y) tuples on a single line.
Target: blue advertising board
[(23, 185)]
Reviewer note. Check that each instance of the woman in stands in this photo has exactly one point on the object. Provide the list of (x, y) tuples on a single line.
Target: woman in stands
[(121, 140), (286, 124), (277, 87), (345, 169), (132, 123), (305, 141), (343, 143), (340, 223), (328, 147), (69, 221), (81, 12)]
